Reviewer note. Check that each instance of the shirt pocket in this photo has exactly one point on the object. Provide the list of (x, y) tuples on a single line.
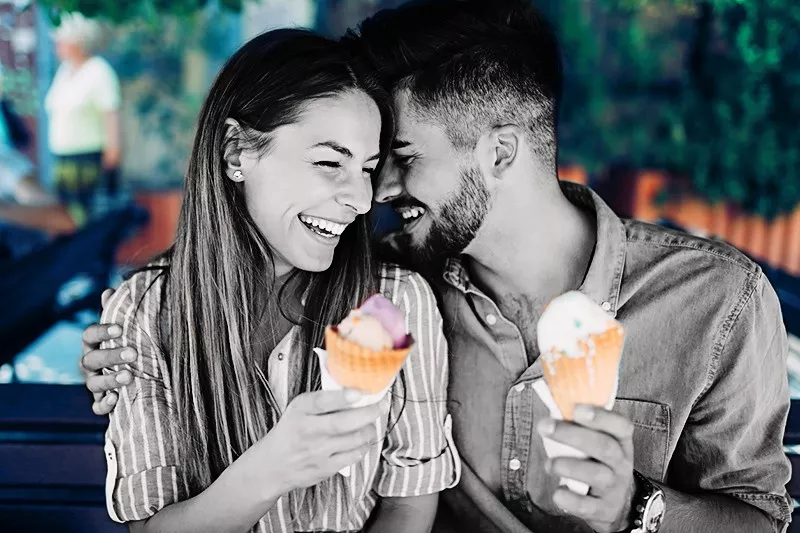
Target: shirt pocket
[(651, 428)]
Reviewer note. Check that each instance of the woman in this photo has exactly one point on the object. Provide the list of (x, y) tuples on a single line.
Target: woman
[(83, 112), (223, 427)]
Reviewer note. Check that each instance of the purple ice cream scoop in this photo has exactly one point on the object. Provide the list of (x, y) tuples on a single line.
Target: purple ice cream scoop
[(390, 317)]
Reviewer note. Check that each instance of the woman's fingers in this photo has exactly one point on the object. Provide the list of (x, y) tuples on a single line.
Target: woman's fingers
[(350, 441), (347, 421), (323, 402)]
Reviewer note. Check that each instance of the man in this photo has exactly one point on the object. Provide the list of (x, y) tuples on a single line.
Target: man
[(703, 393)]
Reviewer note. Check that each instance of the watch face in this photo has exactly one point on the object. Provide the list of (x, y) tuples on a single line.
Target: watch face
[(653, 514)]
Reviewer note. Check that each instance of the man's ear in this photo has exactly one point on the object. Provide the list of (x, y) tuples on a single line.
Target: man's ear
[(232, 144), (498, 149)]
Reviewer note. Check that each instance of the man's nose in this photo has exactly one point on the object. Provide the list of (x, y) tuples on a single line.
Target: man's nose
[(388, 185)]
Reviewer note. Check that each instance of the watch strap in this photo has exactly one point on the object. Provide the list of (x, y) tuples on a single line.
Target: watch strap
[(645, 490)]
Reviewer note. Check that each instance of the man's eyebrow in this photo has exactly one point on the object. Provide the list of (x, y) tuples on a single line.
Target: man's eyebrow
[(399, 143), (335, 146)]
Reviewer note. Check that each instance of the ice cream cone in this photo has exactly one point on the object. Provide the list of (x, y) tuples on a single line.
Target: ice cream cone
[(355, 366), (587, 377)]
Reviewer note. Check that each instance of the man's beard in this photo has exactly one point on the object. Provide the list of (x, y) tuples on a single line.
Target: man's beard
[(455, 224)]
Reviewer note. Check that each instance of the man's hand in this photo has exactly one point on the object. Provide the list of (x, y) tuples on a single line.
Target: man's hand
[(607, 439), (94, 360)]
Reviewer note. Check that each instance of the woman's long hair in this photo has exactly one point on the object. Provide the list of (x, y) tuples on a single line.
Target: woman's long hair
[(219, 273)]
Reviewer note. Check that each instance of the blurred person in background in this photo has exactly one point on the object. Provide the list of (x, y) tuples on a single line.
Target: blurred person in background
[(83, 109), (27, 211)]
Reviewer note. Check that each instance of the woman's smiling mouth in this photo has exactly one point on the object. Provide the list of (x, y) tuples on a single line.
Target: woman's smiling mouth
[(323, 227)]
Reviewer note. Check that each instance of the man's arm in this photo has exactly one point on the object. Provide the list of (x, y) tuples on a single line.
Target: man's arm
[(711, 513), (404, 515), (606, 438), (729, 470)]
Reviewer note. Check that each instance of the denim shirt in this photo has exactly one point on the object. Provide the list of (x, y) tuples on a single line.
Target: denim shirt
[(703, 377)]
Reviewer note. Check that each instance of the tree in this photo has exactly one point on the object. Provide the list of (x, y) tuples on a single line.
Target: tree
[(127, 10), (705, 90)]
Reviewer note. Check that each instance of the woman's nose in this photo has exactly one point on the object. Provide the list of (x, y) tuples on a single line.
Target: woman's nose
[(357, 193)]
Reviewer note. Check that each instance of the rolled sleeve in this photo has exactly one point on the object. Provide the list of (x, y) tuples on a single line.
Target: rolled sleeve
[(141, 444), (418, 456), (733, 442)]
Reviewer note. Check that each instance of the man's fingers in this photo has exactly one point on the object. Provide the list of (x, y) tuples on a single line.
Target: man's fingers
[(608, 422), (593, 443), (323, 402), (597, 475), (576, 505), (96, 333), (105, 405), (105, 296), (96, 360), (108, 382), (604, 420)]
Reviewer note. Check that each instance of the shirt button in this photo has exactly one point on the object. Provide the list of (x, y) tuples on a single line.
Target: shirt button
[(514, 464), (280, 357), (491, 320), (606, 306), (519, 387)]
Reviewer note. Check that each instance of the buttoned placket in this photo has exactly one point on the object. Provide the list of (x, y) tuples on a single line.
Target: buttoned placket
[(518, 416)]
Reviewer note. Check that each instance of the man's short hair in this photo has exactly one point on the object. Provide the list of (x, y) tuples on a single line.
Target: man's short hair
[(470, 65)]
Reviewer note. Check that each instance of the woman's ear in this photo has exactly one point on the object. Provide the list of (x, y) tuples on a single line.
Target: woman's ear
[(232, 150)]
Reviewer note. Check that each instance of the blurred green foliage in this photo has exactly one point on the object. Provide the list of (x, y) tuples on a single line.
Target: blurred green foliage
[(123, 11), (704, 90), (19, 86), (149, 58)]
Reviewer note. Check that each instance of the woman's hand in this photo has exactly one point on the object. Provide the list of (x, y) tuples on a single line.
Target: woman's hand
[(319, 434)]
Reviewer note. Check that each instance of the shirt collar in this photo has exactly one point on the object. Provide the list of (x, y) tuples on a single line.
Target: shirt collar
[(604, 277)]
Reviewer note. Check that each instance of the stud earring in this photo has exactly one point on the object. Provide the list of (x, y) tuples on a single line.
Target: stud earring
[(237, 175)]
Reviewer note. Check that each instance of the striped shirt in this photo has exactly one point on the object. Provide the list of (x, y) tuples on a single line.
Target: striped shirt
[(414, 457)]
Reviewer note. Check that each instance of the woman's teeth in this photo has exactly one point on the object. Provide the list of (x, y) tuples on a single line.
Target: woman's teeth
[(323, 227), (411, 213)]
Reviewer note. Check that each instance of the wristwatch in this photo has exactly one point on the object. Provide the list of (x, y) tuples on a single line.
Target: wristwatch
[(649, 507)]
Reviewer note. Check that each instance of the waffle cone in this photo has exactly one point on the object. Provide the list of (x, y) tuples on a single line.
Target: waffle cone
[(589, 378), (356, 367)]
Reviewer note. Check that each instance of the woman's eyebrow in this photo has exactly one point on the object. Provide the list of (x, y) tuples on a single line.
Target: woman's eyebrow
[(334, 146), (341, 149)]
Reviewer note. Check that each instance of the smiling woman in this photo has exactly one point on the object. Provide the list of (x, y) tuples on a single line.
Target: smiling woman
[(223, 426), (315, 179)]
